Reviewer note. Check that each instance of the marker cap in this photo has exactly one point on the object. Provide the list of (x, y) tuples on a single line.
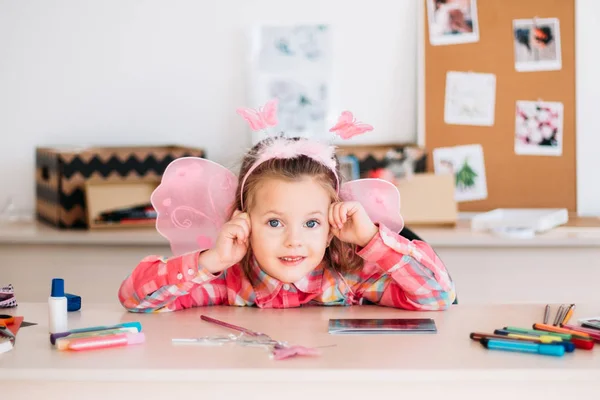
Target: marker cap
[(551, 349)]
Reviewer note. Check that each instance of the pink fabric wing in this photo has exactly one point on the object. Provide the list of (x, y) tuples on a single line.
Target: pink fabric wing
[(269, 112), (353, 130), (345, 119), (380, 198), (193, 202), (253, 118), (347, 126)]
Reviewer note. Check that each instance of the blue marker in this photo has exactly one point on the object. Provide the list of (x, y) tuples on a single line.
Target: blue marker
[(524, 347)]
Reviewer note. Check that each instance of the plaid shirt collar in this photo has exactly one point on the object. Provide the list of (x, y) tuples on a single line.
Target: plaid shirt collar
[(266, 287)]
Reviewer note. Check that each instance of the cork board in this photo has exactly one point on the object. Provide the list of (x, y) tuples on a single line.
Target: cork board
[(513, 180)]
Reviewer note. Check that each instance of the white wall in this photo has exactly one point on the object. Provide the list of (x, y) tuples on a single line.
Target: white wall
[(587, 56), (117, 72), (111, 72)]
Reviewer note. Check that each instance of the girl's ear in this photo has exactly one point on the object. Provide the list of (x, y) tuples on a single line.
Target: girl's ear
[(329, 238)]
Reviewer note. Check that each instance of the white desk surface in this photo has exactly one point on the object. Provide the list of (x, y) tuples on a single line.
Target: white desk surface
[(448, 358), (576, 234)]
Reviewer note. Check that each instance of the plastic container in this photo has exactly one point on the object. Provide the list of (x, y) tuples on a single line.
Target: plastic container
[(57, 307)]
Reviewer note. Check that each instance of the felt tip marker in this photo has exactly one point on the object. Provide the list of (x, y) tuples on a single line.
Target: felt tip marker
[(541, 338), (523, 347), (569, 347), (556, 329), (135, 325), (594, 333), (100, 342), (537, 332), (95, 333)]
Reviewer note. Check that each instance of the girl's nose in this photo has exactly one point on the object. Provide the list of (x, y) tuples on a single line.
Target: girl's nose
[(292, 239)]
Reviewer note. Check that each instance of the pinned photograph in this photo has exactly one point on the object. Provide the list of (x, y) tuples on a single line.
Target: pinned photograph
[(537, 44), (293, 48), (539, 128), (467, 165), (452, 21), (470, 98)]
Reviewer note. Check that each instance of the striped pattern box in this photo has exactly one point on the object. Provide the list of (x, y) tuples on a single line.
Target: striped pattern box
[(61, 173)]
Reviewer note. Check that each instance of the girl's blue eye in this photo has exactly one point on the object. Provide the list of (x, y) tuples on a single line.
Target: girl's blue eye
[(312, 223), (273, 223)]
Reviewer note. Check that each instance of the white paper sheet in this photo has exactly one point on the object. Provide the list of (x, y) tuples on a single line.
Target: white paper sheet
[(470, 98)]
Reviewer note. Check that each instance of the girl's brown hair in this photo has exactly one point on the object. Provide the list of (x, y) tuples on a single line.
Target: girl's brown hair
[(339, 255)]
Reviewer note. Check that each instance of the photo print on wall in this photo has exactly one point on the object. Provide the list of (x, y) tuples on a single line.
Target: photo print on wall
[(537, 44), (539, 128), (467, 165), (452, 22)]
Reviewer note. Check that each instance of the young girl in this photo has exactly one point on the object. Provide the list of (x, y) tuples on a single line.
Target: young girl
[(294, 236)]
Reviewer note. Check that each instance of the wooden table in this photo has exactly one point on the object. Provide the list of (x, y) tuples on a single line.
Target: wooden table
[(446, 365)]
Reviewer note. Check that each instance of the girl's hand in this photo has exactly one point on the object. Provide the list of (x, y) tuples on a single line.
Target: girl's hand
[(232, 243), (351, 224)]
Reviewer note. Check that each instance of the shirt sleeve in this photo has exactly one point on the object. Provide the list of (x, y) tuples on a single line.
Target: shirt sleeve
[(415, 278), (160, 284)]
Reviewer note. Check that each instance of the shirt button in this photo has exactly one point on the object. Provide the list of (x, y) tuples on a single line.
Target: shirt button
[(286, 286), (180, 276), (190, 271)]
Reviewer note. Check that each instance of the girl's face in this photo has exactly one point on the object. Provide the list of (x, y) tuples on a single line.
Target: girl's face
[(289, 227)]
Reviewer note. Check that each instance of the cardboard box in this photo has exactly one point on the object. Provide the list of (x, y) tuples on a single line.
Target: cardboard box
[(428, 199), (62, 173), (105, 196)]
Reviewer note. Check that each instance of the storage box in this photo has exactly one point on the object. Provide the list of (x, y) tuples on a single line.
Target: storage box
[(62, 173), (103, 196), (428, 199)]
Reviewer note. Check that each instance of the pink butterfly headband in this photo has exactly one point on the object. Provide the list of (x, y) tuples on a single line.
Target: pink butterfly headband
[(281, 148)]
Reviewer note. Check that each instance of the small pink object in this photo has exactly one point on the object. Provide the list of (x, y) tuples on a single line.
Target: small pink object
[(347, 126), (292, 351), (262, 118)]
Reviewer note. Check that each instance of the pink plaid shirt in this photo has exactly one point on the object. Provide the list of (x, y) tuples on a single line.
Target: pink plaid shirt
[(397, 273)]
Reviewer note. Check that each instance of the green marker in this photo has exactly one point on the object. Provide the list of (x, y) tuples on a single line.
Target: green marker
[(514, 329)]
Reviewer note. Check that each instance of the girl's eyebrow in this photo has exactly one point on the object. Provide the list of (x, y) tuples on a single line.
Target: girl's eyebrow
[(271, 212), (279, 213)]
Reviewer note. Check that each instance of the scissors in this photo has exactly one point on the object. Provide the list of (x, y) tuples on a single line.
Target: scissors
[(6, 319), (4, 331)]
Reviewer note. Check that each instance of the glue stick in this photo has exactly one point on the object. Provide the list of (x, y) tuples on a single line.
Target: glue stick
[(57, 307)]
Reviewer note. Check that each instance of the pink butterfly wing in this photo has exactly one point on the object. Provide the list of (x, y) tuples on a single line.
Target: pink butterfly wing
[(193, 202), (345, 119), (253, 118), (269, 113), (380, 199), (358, 129)]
